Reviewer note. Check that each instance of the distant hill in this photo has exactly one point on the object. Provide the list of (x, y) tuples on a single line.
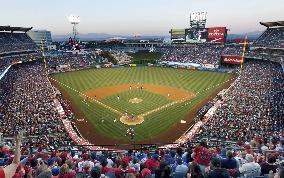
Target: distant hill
[(98, 36), (85, 37)]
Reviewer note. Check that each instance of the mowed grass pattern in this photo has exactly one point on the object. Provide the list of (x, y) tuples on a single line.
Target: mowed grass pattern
[(200, 83), (150, 101)]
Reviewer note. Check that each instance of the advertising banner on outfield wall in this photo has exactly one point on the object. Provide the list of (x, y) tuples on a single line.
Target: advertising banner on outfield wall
[(232, 59), (217, 34)]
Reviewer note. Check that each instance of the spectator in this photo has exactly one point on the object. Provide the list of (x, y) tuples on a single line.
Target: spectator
[(194, 171), (96, 173), (268, 166), (144, 171), (181, 168), (216, 171), (241, 158), (153, 163), (202, 155), (250, 169), (230, 162), (163, 171), (65, 171), (10, 169)]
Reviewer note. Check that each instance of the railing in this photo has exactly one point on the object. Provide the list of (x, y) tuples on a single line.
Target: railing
[(4, 72)]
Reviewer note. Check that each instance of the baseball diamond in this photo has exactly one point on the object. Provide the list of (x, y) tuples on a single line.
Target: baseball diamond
[(113, 100)]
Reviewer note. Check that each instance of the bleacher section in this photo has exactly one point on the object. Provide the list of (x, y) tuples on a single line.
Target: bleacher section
[(273, 37), (12, 41)]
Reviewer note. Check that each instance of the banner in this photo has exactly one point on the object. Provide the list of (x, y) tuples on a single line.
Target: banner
[(232, 59), (216, 34)]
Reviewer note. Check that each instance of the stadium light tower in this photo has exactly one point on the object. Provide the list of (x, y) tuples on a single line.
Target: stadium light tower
[(74, 20), (198, 19)]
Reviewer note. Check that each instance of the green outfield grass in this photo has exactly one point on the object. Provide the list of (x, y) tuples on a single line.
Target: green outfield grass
[(144, 57), (200, 83)]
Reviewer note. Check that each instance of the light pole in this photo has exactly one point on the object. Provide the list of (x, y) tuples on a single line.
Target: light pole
[(74, 20)]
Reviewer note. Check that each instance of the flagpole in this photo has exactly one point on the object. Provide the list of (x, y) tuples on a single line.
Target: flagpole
[(243, 54), (44, 59), (45, 65)]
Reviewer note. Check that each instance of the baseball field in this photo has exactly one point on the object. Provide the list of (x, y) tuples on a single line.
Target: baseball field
[(150, 101)]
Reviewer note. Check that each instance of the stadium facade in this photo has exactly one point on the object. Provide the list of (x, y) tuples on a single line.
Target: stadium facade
[(41, 37)]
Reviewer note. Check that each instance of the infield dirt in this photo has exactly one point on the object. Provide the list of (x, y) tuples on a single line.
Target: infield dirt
[(172, 93)]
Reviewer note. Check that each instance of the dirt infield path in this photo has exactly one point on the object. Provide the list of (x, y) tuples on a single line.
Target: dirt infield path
[(172, 93), (175, 94)]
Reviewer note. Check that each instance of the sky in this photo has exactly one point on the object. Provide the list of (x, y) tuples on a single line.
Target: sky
[(145, 17)]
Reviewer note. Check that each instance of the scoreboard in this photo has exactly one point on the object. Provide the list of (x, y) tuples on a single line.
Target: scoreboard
[(178, 35), (199, 35), (196, 35)]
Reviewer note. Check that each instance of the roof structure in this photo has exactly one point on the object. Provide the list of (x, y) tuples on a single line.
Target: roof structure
[(272, 24), (12, 29)]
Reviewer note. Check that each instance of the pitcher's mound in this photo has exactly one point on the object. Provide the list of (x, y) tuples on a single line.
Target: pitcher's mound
[(131, 120), (135, 100)]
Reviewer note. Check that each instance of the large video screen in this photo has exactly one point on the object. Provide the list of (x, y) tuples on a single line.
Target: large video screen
[(196, 35), (217, 34), (178, 35), (199, 35)]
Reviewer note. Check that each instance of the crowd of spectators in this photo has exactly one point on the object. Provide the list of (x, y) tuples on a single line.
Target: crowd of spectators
[(199, 161), (253, 106), (9, 60), (207, 54), (73, 61), (272, 38), (236, 50), (26, 103), (251, 114), (15, 42)]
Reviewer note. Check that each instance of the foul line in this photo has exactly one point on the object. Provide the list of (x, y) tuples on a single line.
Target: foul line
[(96, 101), (182, 100)]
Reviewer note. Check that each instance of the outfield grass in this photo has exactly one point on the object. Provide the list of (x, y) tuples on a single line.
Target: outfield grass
[(154, 124), (144, 57)]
